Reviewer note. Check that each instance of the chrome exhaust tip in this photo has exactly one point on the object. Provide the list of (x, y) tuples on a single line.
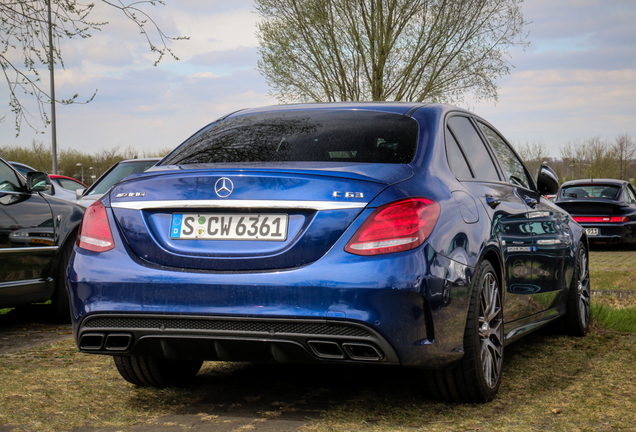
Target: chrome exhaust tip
[(326, 349), (360, 351), (91, 341)]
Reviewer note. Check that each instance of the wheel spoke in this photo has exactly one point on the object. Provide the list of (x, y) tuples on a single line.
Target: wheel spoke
[(583, 273), (487, 361), (496, 333)]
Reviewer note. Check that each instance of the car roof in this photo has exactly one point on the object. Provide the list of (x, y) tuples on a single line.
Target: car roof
[(22, 165), (64, 177), (59, 176), (140, 160), (612, 182), (404, 108)]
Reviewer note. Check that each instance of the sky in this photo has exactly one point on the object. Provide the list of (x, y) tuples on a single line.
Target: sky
[(576, 80)]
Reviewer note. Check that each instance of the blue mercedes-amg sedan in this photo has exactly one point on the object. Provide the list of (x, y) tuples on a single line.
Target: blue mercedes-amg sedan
[(389, 233)]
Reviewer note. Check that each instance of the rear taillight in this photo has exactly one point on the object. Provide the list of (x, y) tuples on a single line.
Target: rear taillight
[(395, 227), (601, 219), (94, 233)]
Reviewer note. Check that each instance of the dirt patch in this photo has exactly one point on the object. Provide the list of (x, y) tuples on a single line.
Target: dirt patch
[(30, 327)]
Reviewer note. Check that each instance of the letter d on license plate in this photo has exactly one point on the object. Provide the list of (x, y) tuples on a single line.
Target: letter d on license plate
[(224, 226)]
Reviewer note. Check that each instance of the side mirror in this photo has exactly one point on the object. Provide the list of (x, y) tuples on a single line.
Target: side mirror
[(79, 192), (547, 181), (38, 181)]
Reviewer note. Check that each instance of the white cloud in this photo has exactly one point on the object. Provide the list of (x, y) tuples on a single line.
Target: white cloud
[(557, 106), (202, 76)]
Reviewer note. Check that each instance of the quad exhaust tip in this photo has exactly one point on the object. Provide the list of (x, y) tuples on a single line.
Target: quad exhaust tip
[(102, 341), (360, 351), (118, 341), (326, 349), (353, 350), (92, 341)]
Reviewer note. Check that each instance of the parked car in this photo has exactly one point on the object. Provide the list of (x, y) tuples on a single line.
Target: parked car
[(606, 208), (68, 183), (56, 189), (357, 233), (114, 174), (37, 233), (23, 169)]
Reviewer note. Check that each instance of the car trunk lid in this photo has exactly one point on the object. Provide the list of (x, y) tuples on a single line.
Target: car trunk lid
[(593, 207), (231, 219)]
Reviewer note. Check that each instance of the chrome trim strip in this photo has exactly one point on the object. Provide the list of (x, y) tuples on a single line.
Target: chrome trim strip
[(252, 204), (23, 283), (28, 249)]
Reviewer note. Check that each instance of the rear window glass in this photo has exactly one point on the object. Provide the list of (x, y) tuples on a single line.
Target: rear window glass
[(70, 184), (311, 135), (119, 172), (591, 191)]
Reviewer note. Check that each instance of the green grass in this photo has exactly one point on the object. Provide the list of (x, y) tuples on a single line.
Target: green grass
[(621, 280), (607, 317), (551, 383)]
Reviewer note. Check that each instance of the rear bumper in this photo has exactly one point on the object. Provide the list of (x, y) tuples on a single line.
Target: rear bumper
[(406, 308), (615, 233), (234, 339)]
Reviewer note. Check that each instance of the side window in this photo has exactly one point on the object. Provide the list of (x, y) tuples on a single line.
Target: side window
[(456, 158), (515, 172), (474, 148), (630, 194), (8, 179)]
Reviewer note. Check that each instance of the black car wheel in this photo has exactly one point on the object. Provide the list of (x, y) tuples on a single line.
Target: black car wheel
[(577, 316), (60, 301), (157, 372), (477, 376)]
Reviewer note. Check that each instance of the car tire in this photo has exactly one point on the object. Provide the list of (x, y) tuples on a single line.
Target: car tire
[(157, 372), (476, 377), (60, 300), (577, 315)]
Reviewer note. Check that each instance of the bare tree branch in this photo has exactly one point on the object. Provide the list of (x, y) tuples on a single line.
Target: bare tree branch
[(24, 39)]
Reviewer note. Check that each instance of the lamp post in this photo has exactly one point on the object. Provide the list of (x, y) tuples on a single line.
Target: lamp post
[(79, 164), (574, 164), (52, 75), (92, 176)]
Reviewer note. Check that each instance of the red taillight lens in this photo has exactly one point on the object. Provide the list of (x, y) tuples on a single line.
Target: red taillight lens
[(395, 227), (601, 218), (94, 233)]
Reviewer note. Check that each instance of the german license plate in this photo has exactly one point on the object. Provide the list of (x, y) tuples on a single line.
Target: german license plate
[(591, 231), (224, 226)]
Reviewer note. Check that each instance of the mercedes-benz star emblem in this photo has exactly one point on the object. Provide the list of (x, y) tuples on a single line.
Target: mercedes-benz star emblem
[(223, 187)]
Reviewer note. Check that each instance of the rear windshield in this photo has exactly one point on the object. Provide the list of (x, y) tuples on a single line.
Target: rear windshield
[(310, 135), (591, 191)]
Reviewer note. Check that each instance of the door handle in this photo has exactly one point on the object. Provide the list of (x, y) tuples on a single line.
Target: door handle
[(531, 202), (492, 201)]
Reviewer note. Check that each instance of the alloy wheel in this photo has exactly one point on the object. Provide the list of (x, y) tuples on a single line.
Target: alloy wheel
[(491, 329), (583, 288)]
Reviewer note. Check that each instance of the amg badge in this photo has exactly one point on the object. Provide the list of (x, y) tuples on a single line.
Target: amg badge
[(130, 194)]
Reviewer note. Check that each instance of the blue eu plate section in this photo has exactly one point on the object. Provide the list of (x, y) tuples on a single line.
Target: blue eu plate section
[(175, 226)]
